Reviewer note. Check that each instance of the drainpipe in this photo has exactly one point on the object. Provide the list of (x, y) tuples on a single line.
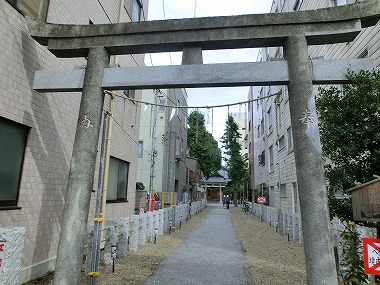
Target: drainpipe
[(108, 139)]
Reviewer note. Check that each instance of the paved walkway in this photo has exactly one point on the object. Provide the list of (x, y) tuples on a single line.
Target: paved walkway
[(211, 254)]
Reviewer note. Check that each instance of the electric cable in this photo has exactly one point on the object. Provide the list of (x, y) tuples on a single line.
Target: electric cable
[(133, 140)]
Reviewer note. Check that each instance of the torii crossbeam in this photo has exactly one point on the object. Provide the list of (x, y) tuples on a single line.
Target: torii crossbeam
[(293, 31)]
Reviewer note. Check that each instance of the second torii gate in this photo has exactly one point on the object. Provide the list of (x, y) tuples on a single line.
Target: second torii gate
[(293, 31)]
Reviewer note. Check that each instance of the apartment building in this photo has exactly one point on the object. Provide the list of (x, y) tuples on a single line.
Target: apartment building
[(270, 137), (240, 118), (37, 130), (163, 133)]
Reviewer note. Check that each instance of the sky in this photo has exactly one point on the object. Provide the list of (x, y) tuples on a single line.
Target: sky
[(177, 9)]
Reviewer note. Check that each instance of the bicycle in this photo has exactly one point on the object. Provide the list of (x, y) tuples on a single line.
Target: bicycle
[(245, 207)]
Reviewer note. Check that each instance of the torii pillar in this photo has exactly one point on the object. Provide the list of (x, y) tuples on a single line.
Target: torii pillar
[(309, 164), (82, 169)]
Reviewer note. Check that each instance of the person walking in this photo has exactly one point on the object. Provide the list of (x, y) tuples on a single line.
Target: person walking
[(228, 200), (224, 200)]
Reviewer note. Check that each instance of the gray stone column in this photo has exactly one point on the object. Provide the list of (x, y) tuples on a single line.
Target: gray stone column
[(81, 176), (11, 251), (122, 249), (320, 264)]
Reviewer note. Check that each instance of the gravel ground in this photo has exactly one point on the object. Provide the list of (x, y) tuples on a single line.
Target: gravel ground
[(269, 257)]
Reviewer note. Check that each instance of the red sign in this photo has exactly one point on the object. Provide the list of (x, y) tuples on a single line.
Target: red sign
[(261, 200), (371, 254), (1, 254)]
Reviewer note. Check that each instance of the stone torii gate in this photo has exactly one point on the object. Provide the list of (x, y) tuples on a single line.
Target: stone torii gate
[(293, 31)]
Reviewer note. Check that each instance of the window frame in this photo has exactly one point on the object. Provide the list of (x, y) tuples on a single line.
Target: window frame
[(289, 133), (297, 5), (129, 93), (340, 2), (271, 159), (270, 120), (281, 143), (283, 193), (162, 101), (12, 203), (130, 6), (41, 14), (118, 198), (140, 149), (262, 158)]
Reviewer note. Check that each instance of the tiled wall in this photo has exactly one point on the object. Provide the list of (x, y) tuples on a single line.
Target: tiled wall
[(52, 118)]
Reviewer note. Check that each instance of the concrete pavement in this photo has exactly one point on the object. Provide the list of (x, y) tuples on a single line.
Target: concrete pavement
[(211, 254)]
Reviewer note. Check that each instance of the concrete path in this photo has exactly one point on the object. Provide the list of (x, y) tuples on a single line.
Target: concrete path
[(211, 254)]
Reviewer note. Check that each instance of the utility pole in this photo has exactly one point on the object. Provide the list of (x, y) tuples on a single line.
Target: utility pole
[(153, 152)]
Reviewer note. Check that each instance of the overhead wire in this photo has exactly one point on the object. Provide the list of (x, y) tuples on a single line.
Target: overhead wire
[(128, 135), (163, 8)]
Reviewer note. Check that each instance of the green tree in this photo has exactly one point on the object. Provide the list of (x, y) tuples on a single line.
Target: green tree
[(235, 163), (349, 125), (202, 144), (352, 260)]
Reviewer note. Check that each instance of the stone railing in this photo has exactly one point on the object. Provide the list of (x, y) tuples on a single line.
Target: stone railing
[(284, 221), (11, 250), (128, 233)]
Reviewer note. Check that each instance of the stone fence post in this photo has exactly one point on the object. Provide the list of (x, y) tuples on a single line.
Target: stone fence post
[(11, 249)]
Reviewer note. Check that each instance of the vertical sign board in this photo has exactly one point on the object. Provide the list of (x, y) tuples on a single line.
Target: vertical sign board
[(366, 201), (371, 253)]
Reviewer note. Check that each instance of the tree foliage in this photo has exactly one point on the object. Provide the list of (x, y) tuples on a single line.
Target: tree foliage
[(202, 144), (236, 163), (349, 126), (352, 260)]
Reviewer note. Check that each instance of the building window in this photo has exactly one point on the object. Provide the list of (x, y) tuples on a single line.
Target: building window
[(295, 198), (281, 143), (340, 2), (133, 9), (283, 190), (12, 148), (262, 126), (271, 169), (364, 54), (117, 180), (161, 108), (32, 8), (290, 139), (286, 93), (129, 93), (298, 4), (177, 148), (281, 5), (262, 159), (270, 120), (140, 149)]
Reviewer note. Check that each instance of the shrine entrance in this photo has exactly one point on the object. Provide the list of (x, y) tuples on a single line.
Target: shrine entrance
[(292, 31)]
